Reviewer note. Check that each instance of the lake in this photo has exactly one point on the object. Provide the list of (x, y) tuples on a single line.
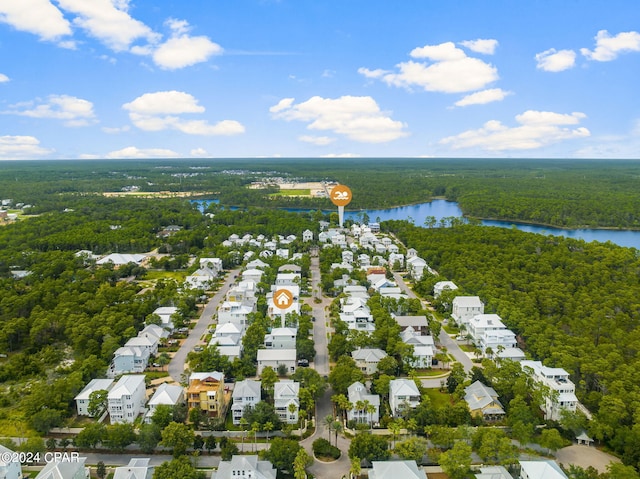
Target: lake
[(442, 209)]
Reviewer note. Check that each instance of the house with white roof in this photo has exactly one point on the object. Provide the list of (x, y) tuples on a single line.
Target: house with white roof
[(128, 359), (236, 312), (361, 398), (356, 314), (356, 291), (166, 394), (367, 359), (483, 402), (275, 357), (257, 264), (501, 343), (396, 259), (68, 468), (147, 341), (9, 468), (393, 292), (466, 307), (138, 468), (288, 279), (228, 330), (245, 467), (210, 269), (416, 267), (282, 253), (482, 323), (274, 310), (245, 290), (403, 394), (395, 470), (126, 399), (281, 338), (441, 286), (252, 274), (120, 259), (165, 313), (307, 235), (543, 469), (246, 393), (84, 397), (493, 472), (424, 348), (563, 390), (227, 347), (286, 401)]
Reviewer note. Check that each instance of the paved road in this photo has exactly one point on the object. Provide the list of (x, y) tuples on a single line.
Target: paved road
[(444, 338), (177, 364)]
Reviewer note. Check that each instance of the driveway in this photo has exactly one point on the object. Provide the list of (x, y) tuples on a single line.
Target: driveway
[(585, 456)]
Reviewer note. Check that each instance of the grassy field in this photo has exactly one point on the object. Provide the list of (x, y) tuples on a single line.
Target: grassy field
[(178, 276), (438, 399), (294, 192)]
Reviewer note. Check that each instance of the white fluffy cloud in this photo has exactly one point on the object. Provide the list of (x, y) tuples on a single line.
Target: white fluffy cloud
[(536, 129), (71, 110), (3, 78), (182, 50), (483, 97), (553, 60), (448, 69), (608, 48), (134, 152), (39, 17), (199, 153), (109, 22), (21, 148), (159, 111), (357, 117), (317, 140), (485, 46)]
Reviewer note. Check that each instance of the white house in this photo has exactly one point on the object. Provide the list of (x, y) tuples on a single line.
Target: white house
[(166, 394), (245, 467), (442, 286), (128, 360), (418, 324), (286, 401), (120, 259), (68, 468), (502, 344), (256, 264), (359, 396), (403, 394), (416, 267), (423, 348), (563, 390), (493, 472), (275, 357), (138, 468), (544, 469), (396, 259), (245, 290), (165, 313), (307, 235), (246, 393), (9, 469), (356, 314), (466, 307), (274, 303), (236, 312), (210, 269), (288, 279), (281, 338), (126, 399), (482, 323), (84, 396), (396, 470), (367, 359), (253, 274), (150, 342), (154, 333), (228, 330)]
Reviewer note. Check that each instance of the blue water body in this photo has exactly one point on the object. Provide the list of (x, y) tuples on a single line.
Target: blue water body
[(443, 209)]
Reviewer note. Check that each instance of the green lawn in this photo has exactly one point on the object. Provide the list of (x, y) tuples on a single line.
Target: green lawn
[(298, 192), (438, 399), (157, 274)]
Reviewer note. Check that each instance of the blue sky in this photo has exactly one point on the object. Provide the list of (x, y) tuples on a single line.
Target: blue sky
[(84, 79)]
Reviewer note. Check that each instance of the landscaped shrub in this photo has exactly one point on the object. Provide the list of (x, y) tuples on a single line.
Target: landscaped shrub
[(323, 449)]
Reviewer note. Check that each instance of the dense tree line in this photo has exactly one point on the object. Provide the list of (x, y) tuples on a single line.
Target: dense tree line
[(573, 304)]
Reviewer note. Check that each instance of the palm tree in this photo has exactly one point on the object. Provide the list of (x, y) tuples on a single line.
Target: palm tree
[(359, 407), (337, 427), (395, 426), (255, 427), (268, 426), (370, 410), (328, 421), (243, 424)]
